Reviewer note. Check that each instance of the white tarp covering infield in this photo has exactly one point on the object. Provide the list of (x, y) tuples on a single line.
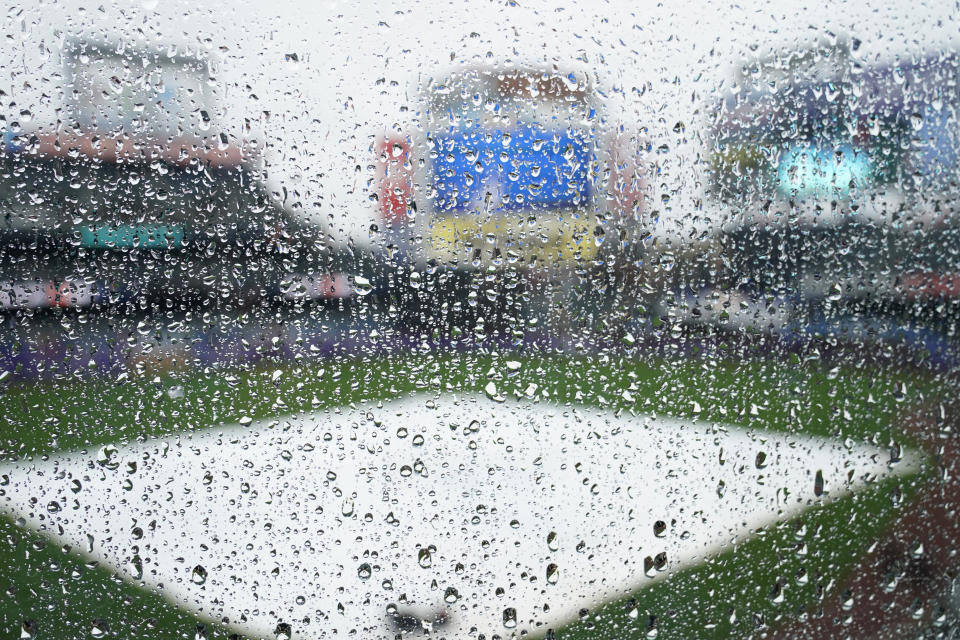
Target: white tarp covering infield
[(460, 519)]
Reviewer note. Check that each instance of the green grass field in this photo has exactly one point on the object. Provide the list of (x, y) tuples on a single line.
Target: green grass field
[(725, 596)]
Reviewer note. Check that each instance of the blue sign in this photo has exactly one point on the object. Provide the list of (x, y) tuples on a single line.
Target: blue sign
[(10, 144), (936, 158), (519, 168)]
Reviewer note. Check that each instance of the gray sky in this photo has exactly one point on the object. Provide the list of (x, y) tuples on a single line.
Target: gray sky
[(658, 63)]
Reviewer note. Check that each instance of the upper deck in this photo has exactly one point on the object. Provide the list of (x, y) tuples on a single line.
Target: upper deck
[(820, 129)]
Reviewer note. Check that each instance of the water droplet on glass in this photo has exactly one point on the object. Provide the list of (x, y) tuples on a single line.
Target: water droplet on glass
[(106, 457), (553, 573), (552, 541), (362, 286), (492, 393), (99, 628), (136, 567), (424, 557), (282, 631), (776, 593), (761, 461), (28, 630), (199, 575)]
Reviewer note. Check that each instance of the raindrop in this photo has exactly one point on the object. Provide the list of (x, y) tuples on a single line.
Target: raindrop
[(106, 457), (28, 630), (425, 557), (199, 575), (553, 543), (136, 567), (99, 628), (364, 571), (761, 461), (819, 486), (553, 573), (282, 631), (362, 286), (492, 393), (776, 593)]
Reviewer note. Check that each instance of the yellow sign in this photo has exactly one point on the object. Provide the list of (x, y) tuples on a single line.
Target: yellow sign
[(557, 239)]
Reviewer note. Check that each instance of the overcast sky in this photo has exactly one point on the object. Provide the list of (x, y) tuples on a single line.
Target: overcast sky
[(658, 63)]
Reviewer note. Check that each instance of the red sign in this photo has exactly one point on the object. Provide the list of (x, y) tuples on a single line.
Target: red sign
[(395, 173)]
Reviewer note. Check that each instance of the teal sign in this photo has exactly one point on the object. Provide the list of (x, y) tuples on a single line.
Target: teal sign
[(142, 236), (809, 171)]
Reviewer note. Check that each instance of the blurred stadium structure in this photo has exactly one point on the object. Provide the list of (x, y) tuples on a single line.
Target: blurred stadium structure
[(136, 199), (835, 181), (513, 166), (511, 194), (513, 216), (511, 187)]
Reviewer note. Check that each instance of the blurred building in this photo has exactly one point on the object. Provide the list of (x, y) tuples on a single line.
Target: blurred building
[(137, 197), (508, 166), (147, 94), (838, 181), (511, 184)]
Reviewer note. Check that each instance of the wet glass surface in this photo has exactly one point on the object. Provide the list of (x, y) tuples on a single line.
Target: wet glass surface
[(479, 321)]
